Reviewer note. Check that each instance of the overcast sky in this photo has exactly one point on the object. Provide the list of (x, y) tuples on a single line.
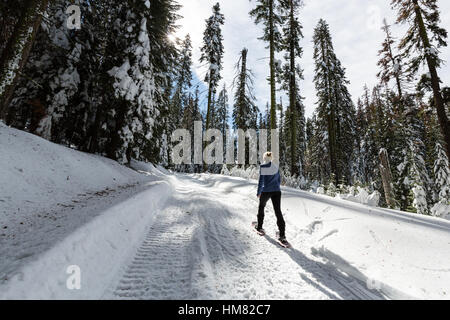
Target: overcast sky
[(355, 29)]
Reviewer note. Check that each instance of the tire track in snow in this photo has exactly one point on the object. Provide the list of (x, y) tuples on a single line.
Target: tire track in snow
[(173, 261), (162, 266)]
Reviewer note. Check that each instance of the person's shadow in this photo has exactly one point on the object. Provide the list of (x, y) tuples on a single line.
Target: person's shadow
[(337, 278)]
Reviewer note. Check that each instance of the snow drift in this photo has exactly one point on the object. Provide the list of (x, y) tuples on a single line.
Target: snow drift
[(37, 174)]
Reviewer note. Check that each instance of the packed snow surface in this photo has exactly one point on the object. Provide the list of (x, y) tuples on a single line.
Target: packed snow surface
[(153, 234)]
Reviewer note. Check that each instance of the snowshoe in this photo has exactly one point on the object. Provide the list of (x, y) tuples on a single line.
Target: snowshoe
[(283, 242), (259, 232)]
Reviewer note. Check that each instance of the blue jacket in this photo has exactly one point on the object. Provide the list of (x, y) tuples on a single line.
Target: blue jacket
[(270, 183)]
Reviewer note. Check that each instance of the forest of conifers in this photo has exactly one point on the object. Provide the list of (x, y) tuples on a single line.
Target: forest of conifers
[(119, 86)]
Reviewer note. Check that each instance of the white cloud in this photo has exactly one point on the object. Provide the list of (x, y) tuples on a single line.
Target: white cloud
[(354, 24)]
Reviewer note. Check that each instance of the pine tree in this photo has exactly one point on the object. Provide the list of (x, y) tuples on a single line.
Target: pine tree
[(15, 53), (442, 183), (223, 116), (134, 85), (418, 192), (292, 74), (371, 145), (191, 114), (390, 63), (86, 123), (39, 105), (222, 111), (163, 23), (106, 87), (283, 137), (244, 110), (269, 13), (346, 123), (300, 137), (317, 155), (183, 78), (261, 122), (267, 117), (361, 130), (432, 136), (412, 178), (212, 53), (425, 37), (8, 19), (310, 173), (336, 113)]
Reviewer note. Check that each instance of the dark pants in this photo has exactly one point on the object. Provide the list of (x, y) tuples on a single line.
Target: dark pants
[(276, 202)]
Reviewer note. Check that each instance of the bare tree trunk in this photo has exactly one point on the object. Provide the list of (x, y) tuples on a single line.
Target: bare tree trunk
[(208, 113), (386, 176), (210, 92), (240, 101), (273, 97), (293, 95), (16, 52)]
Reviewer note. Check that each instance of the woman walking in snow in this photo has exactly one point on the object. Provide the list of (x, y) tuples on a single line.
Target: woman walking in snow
[(269, 187)]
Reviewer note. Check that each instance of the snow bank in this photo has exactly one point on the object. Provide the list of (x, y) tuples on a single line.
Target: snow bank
[(98, 249), (441, 210), (361, 196), (36, 175), (40, 182), (148, 168)]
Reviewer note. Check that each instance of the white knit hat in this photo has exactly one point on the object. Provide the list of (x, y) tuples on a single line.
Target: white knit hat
[(267, 157)]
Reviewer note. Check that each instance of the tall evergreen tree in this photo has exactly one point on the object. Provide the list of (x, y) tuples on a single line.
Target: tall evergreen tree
[(425, 37), (244, 111), (212, 53), (412, 170), (292, 74), (133, 83), (317, 156), (191, 114), (442, 183), (103, 88), (55, 67), (361, 129), (183, 78), (335, 113), (268, 13), (16, 51), (222, 111)]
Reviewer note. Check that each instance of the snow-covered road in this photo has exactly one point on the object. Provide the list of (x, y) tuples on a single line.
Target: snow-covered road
[(201, 247), (189, 237), (153, 234)]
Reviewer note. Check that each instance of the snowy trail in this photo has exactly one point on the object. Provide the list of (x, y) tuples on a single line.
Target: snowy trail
[(189, 237), (201, 247), (150, 234)]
